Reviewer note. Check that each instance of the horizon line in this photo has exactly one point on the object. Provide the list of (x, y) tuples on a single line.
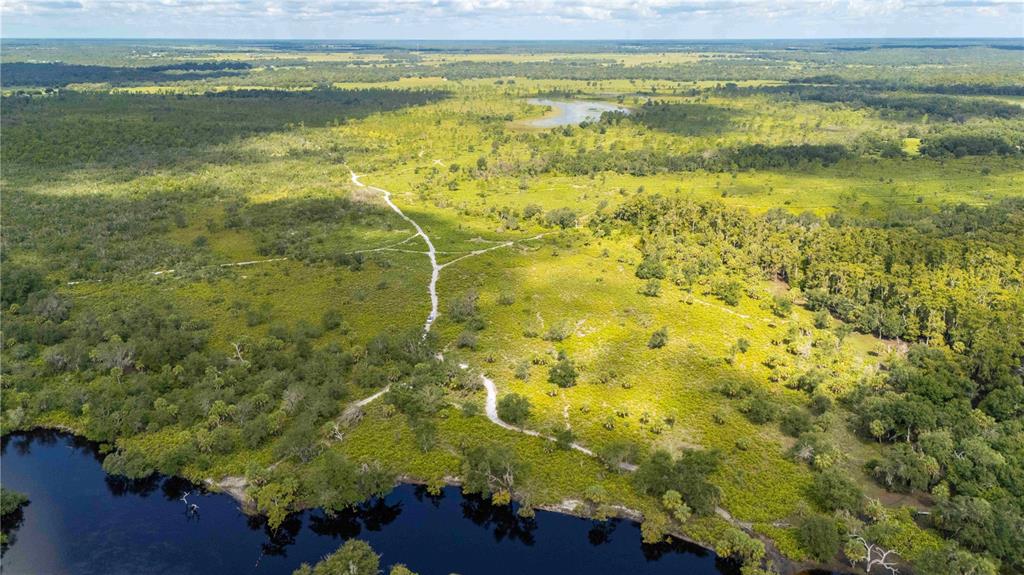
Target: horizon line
[(634, 40)]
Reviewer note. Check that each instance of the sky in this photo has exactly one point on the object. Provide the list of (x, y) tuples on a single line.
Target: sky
[(510, 19)]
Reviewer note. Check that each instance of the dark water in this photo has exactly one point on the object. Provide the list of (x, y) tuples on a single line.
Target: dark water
[(82, 521)]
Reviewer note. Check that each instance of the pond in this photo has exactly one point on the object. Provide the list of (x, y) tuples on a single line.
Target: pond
[(571, 112), (82, 521)]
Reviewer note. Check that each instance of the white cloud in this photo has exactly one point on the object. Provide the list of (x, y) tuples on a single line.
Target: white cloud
[(508, 16)]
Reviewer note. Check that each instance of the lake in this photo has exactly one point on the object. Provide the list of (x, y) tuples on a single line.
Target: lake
[(83, 521), (571, 112)]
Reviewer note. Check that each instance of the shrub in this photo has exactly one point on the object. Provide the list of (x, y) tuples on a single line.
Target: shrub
[(658, 338), (467, 339), (819, 536), (562, 217), (355, 557), (463, 308), (652, 288), (331, 319), (523, 370), (782, 306), (563, 372), (736, 544), (564, 438), (832, 490), (514, 408), (795, 421), (760, 409), (651, 268), (559, 331)]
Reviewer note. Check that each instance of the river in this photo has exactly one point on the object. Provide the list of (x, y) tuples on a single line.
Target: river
[(571, 112), (82, 521)]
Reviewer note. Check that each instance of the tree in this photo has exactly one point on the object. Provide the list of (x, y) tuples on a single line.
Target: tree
[(563, 372), (823, 320), (675, 505), (275, 499), (904, 469), (492, 471), (11, 501), (617, 452), (687, 475), (301, 440), (332, 482), (949, 559), (736, 544), (832, 490), (969, 519), (355, 557), (463, 308), (562, 217), (531, 210), (11, 505), (514, 408), (18, 282), (819, 536), (862, 548), (729, 290), (331, 320), (650, 268)]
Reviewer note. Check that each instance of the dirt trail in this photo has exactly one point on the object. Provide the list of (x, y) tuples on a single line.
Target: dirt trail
[(235, 486), (435, 269), (491, 405), (491, 408)]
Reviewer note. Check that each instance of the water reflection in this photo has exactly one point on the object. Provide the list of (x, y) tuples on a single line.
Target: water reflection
[(503, 520), (83, 521), (601, 532), (571, 112)]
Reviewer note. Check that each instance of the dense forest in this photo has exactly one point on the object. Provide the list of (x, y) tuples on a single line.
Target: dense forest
[(950, 412), (59, 131), (56, 75)]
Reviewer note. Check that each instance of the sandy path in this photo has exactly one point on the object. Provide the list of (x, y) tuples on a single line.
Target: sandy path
[(491, 405), (435, 269)]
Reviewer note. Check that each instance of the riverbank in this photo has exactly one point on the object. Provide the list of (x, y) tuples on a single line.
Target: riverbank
[(236, 488), (102, 524)]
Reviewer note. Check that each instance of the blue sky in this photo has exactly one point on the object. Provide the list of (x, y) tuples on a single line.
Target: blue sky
[(511, 19)]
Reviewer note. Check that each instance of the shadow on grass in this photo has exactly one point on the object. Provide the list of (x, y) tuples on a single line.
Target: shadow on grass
[(47, 137), (686, 119)]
